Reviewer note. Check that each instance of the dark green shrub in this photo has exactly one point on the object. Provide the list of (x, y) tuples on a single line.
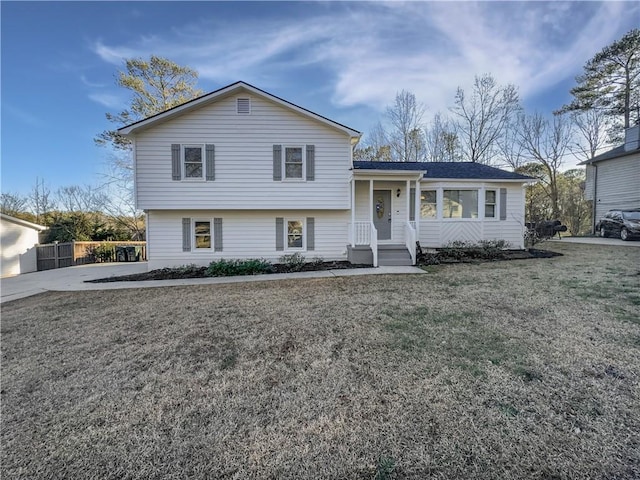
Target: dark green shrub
[(227, 268)]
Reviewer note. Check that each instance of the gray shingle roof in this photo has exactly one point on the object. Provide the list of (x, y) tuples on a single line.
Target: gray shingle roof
[(458, 170), (615, 153)]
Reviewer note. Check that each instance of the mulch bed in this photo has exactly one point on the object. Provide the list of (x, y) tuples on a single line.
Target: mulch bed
[(200, 272), (427, 259)]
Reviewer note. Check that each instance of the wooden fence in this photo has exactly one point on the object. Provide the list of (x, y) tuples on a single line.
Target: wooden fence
[(59, 255)]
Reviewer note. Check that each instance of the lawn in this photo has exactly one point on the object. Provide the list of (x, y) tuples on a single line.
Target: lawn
[(505, 370)]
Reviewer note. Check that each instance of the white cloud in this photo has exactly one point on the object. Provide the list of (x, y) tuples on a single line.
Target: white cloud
[(369, 51), (88, 83), (108, 100)]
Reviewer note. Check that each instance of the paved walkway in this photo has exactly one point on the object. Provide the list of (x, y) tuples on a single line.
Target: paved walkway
[(598, 241), (73, 278)]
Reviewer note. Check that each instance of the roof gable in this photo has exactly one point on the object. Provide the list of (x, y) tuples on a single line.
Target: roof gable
[(445, 170), (224, 92)]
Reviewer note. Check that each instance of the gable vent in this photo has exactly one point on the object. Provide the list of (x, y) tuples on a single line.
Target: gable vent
[(243, 106)]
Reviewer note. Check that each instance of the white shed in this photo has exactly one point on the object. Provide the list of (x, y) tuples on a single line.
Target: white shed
[(18, 240)]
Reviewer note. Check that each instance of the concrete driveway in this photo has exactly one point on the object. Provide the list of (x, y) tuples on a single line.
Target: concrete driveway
[(598, 241), (70, 278)]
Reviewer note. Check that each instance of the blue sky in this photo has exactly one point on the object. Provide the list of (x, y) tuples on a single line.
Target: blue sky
[(343, 60)]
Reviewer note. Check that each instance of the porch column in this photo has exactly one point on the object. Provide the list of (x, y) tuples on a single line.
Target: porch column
[(417, 209), (353, 212), (408, 193), (371, 201)]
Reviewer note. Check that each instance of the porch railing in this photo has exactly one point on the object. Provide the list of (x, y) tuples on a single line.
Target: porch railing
[(365, 233), (360, 233), (410, 240)]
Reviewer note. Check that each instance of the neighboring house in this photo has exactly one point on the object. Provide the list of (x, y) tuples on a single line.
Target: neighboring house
[(241, 173), (18, 239), (613, 177)]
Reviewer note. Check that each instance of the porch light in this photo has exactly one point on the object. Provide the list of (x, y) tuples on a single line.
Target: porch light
[(398, 193)]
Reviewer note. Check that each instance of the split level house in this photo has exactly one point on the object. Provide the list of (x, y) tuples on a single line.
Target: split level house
[(239, 173)]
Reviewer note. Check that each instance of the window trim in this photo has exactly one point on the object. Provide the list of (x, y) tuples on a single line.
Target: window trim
[(303, 221), (183, 162), (435, 217), (194, 236), (283, 154), (462, 219), (495, 204)]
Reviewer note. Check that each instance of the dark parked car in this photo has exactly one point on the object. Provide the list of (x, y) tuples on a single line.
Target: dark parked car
[(620, 223)]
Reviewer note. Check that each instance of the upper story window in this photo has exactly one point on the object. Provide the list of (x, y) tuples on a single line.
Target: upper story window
[(193, 162), (293, 163), (490, 204), (192, 158), (460, 204)]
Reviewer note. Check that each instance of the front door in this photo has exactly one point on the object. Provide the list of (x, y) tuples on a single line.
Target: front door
[(382, 213)]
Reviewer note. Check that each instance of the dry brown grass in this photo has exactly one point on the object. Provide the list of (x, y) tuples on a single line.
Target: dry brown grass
[(523, 369)]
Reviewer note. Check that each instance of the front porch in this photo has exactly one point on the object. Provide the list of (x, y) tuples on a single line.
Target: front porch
[(383, 230)]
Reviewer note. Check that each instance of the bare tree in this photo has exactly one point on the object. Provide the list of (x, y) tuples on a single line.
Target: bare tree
[(76, 198), (406, 136), (547, 143), (591, 127), (41, 200), (483, 116), (13, 204), (441, 140), (510, 149), (375, 146)]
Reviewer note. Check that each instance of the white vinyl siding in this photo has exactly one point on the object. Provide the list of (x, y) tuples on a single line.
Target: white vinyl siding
[(243, 160), (398, 206), (618, 184), (246, 234), (437, 232)]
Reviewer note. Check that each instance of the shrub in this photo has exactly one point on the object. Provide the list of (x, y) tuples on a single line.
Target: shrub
[(293, 262), (226, 268), (103, 253), (484, 249)]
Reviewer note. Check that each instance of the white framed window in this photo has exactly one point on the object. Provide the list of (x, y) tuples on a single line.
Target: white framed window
[(460, 204), (428, 204), (294, 234), (202, 234), (490, 204), (293, 160), (193, 161)]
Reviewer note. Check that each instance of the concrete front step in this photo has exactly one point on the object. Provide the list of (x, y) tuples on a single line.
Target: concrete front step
[(393, 255)]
